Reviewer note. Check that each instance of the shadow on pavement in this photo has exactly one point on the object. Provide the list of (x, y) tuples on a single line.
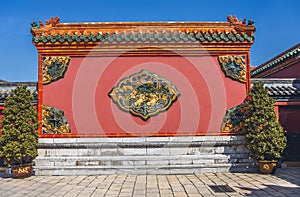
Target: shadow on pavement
[(290, 176), (272, 190)]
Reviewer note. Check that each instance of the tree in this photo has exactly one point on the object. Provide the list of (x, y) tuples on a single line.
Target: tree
[(264, 135), (19, 128)]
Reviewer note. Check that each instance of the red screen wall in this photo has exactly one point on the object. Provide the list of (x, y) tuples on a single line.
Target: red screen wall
[(82, 94)]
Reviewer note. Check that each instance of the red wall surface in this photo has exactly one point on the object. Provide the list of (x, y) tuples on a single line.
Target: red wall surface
[(205, 96), (289, 117)]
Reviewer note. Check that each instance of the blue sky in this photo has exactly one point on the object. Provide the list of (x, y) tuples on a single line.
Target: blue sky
[(277, 23)]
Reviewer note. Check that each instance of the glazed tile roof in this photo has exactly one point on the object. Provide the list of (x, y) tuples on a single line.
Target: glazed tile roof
[(53, 31), (293, 52), (6, 87), (202, 36), (281, 89)]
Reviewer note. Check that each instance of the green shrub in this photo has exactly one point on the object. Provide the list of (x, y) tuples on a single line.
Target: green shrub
[(264, 135), (19, 128)]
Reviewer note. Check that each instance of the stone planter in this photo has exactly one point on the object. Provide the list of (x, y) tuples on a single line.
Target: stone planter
[(267, 167), (21, 171)]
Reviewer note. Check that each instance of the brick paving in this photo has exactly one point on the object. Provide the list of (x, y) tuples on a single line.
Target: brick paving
[(286, 182)]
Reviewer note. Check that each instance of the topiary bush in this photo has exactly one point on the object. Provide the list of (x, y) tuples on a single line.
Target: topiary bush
[(265, 137), (19, 128)]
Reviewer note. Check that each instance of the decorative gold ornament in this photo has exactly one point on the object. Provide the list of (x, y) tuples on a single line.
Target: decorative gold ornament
[(234, 67), (54, 68), (144, 94)]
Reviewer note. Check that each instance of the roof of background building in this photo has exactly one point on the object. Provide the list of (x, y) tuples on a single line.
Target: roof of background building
[(7, 87), (285, 59), (281, 89)]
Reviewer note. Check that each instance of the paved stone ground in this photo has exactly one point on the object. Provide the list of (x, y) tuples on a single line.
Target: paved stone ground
[(286, 182)]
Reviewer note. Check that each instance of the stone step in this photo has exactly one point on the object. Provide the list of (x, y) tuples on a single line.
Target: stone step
[(128, 160), (119, 151), (205, 140), (135, 152), (143, 169), (137, 158)]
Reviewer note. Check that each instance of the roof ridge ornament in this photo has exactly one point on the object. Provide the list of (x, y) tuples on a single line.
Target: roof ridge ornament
[(235, 21), (53, 21), (41, 28), (241, 25)]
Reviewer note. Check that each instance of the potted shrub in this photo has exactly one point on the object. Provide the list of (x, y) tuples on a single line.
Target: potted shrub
[(19, 132), (264, 135)]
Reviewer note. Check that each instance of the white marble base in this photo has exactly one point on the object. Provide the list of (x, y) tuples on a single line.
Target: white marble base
[(148, 155)]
